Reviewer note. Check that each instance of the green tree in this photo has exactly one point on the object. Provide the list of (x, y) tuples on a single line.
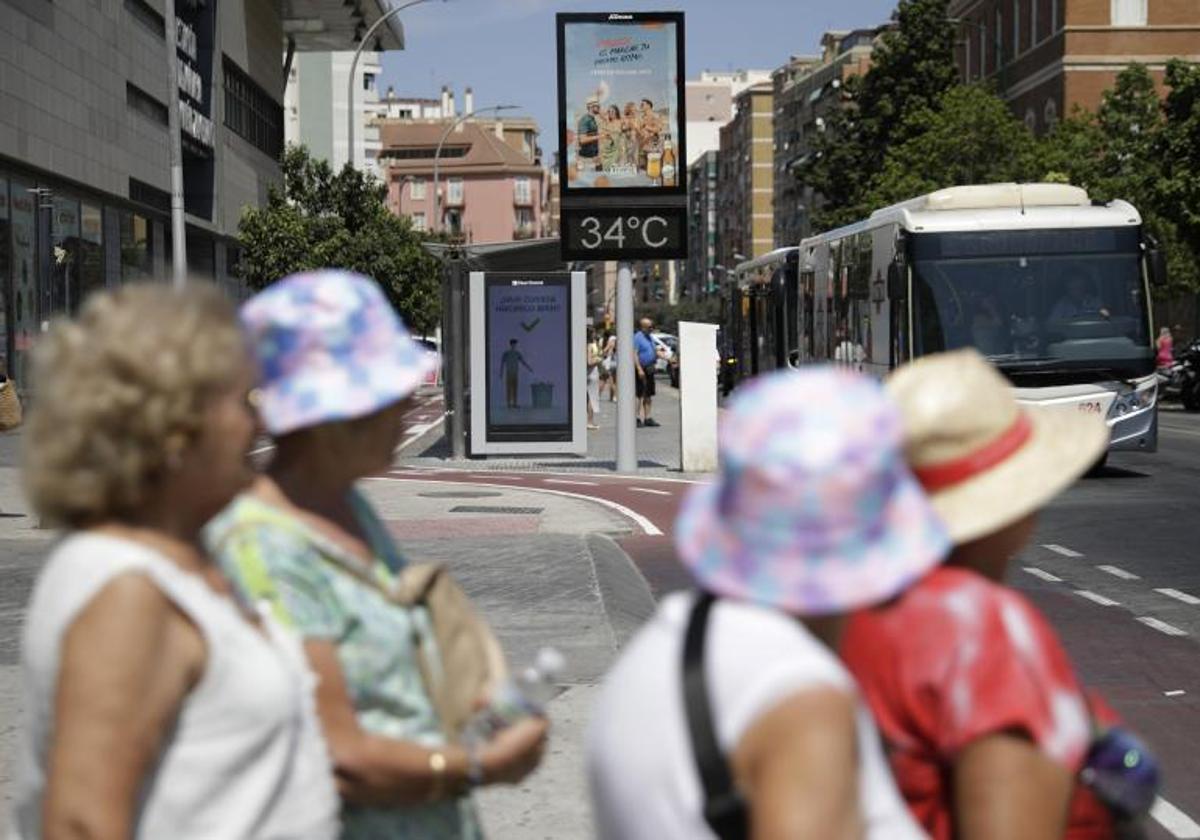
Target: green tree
[(969, 136), (1137, 148), (1179, 182), (911, 68), (325, 219)]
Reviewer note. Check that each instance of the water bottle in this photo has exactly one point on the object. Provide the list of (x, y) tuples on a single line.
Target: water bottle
[(524, 695)]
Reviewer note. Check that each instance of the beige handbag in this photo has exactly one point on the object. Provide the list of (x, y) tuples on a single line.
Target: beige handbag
[(10, 406)]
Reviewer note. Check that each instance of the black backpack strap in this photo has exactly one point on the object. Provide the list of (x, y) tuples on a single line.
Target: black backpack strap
[(724, 809)]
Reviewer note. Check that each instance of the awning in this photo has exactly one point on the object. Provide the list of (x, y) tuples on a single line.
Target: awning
[(522, 255), (338, 25)]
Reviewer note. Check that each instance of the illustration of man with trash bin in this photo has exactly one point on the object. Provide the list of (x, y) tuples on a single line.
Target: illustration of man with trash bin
[(510, 369)]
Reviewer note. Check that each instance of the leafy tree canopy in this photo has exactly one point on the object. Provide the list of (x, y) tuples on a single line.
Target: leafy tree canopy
[(325, 219)]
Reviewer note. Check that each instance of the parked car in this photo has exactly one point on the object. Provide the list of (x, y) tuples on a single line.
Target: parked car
[(669, 343)]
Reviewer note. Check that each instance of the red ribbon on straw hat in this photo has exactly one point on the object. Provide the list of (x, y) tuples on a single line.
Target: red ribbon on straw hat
[(939, 476)]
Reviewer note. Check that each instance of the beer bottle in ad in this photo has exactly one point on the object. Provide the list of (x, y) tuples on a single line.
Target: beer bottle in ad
[(668, 162)]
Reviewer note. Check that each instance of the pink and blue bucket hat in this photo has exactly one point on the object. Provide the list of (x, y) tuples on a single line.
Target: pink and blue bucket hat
[(330, 347), (814, 511)]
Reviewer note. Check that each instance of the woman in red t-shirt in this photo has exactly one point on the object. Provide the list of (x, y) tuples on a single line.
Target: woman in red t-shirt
[(985, 722)]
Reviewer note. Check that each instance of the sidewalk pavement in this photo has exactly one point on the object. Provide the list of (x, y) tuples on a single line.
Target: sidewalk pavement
[(544, 570), (658, 449)]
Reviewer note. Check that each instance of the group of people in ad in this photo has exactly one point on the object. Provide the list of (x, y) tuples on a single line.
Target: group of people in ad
[(221, 649)]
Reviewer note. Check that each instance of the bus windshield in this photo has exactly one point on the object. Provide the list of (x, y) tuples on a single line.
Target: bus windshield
[(1035, 301)]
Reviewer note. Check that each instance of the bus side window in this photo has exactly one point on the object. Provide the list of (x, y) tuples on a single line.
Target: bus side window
[(807, 316)]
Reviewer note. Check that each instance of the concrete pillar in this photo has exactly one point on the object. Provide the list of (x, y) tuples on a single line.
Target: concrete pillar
[(698, 397)]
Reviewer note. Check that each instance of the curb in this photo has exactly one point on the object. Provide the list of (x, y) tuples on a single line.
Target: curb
[(624, 594)]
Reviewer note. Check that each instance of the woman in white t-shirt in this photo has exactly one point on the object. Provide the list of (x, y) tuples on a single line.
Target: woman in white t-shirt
[(813, 515), (157, 704)]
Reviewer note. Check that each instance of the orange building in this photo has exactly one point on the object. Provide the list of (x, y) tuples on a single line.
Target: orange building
[(1048, 56)]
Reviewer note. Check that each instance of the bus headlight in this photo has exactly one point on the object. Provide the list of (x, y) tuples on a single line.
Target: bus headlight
[(1132, 401)]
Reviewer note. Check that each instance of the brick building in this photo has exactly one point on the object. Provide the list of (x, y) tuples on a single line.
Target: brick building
[(1048, 56)]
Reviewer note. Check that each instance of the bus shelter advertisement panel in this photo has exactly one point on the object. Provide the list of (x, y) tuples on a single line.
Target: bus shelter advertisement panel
[(528, 328), (621, 88)]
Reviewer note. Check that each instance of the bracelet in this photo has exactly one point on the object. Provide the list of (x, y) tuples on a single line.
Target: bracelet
[(437, 763), (474, 767)]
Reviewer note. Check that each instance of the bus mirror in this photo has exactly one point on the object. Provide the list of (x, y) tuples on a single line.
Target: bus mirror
[(1158, 268), (897, 288)]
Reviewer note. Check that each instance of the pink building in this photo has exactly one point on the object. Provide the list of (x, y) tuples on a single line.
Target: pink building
[(490, 176)]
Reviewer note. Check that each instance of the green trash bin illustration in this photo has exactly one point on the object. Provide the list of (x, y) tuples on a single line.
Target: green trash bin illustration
[(543, 394)]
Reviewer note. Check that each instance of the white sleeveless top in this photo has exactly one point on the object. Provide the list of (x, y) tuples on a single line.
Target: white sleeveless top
[(246, 758), (641, 767)]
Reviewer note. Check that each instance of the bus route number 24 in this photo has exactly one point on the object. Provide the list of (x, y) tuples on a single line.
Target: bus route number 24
[(645, 231)]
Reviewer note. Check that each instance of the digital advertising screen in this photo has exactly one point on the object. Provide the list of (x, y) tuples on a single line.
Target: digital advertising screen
[(621, 102), (528, 357)]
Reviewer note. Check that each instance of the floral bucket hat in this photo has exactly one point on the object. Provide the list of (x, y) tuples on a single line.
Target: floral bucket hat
[(814, 510), (330, 348)]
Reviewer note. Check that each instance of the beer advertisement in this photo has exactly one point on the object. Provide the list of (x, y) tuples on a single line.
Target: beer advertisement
[(621, 102)]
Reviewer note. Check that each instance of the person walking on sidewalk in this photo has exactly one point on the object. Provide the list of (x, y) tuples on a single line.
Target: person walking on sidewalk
[(158, 704), (593, 378), (608, 366), (729, 708), (338, 370), (986, 724), (646, 360)]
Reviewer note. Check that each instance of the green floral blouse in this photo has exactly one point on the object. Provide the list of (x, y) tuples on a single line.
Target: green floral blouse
[(274, 557)]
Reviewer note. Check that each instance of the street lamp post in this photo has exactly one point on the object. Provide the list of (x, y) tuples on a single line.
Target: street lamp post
[(354, 66), (437, 196)]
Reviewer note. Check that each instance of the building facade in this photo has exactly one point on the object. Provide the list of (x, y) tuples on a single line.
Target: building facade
[(84, 152), (709, 102), (745, 183), (1048, 56), (806, 90), (315, 105), (701, 274), (490, 177)]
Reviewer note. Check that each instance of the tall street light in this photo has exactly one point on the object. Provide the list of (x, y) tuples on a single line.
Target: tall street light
[(366, 39), (437, 197)]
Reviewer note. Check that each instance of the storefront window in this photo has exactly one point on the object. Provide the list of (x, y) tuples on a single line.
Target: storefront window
[(136, 252), (23, 219), (64, 255), (5, 279), (91, 248)]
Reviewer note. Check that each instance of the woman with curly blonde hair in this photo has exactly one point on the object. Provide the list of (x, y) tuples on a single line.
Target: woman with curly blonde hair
[(157, 704)]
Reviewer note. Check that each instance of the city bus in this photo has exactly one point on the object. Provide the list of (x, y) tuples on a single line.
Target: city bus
[(1052, 287)]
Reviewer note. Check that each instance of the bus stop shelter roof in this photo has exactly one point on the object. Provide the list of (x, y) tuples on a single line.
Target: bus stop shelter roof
[(522, 255)]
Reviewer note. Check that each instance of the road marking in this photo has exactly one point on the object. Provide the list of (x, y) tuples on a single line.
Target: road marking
[(1179, 596), (567, 481), (1058, 549), (1162, 627), (1117, 571), (648, 527), (1043, 574), (1098, 599), (1176, 693), (1174, 820), (652, 492)]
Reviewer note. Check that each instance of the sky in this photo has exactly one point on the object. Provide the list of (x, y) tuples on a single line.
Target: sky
[(504, 49)]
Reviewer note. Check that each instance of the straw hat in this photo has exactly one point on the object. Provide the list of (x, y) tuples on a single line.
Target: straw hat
[(984, 460), (330, 348), (814, 511)]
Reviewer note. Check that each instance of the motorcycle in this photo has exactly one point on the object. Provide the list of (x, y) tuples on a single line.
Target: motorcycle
[(1181, 379)]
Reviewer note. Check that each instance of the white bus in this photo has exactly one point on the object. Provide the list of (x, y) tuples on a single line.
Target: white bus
[(1051, 287)]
